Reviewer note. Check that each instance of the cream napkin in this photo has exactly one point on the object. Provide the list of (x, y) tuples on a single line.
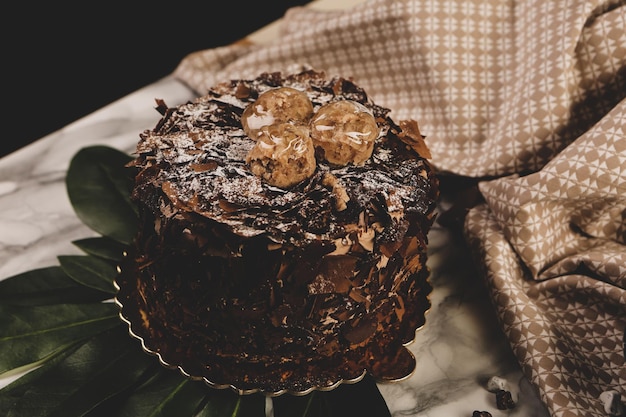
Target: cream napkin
[(527, 98), (552, 246)]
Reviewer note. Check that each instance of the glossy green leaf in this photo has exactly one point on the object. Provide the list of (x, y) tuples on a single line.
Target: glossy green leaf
[(102, 247), (90, 271), (31, 334), (222, 403), (11, 394), (311, 405), (101, 369), (168, 393), (48, 285), (359, 399), (99, 188)]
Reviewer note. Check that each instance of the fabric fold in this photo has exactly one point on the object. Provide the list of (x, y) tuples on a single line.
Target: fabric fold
[(567, 332), (577, 202), (563, 307)]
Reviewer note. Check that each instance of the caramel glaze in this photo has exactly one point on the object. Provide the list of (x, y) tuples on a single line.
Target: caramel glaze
[(260, 288)]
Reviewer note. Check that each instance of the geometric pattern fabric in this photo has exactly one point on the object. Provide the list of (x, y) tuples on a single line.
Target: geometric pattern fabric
[(529, 98), (567, 331), (553, 248), (498, 86), (561, 293)]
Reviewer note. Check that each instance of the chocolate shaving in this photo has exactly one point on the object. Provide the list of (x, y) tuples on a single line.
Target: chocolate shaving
[(410, 134)]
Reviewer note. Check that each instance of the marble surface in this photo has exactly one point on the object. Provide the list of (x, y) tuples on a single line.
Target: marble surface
[(458, 350)]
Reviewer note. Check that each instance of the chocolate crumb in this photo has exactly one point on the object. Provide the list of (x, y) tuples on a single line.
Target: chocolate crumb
[(504, 400)]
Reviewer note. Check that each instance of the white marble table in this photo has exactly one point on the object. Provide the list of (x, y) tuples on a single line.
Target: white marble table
[(458, 349)]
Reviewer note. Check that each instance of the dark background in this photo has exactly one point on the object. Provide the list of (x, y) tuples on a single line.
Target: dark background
[(63, 62)]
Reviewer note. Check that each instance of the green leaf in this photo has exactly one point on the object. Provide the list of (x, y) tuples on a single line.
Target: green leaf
[(360, 399), (48, 285), (104, 367), (168, 393), (99, 186), (31, 334), (102, 247), (222, 403), (311, 405), (11, 394), (90, 271)]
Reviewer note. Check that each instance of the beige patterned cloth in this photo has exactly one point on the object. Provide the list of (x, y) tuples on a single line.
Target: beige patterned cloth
[(529, 99)]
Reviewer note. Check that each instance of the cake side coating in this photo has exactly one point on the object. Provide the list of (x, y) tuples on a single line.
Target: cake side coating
[(254, 286)]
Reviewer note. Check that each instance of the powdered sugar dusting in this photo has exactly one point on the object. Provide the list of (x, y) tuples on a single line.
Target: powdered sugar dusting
[(200, 148)]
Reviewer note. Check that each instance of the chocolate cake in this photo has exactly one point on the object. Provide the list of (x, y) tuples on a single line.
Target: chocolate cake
[(283, 236)]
